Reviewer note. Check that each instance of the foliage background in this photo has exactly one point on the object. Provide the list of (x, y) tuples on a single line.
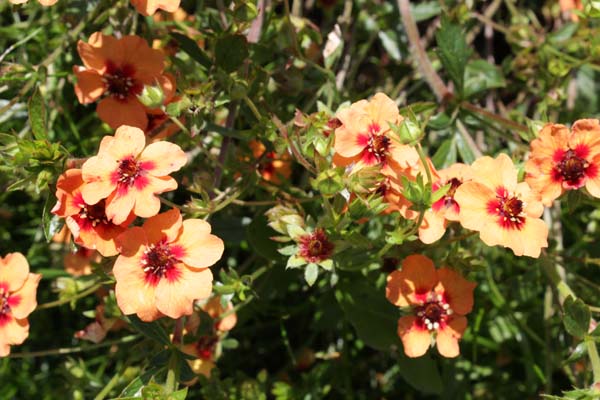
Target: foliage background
[(522, 62)]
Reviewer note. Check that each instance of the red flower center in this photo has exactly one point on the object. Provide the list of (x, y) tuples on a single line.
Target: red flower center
[(448, 200), (205, 347), (159, 261), (4, 304), (509, 209), (571, 168), (120, 81), (129, 170), (315, 247), (378, 146), (434, 313), (94, 214)]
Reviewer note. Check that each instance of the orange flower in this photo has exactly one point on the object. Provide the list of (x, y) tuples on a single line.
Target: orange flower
[(566, 6), (149, 7), (163, 266), (17, 300), (445, 209), (80, 262), (119, 69), (438, 302), (129, 175), (503, 211), (87, 222), (561, 160), (45, 3), (271, 168), (365, 138), (206, 349)]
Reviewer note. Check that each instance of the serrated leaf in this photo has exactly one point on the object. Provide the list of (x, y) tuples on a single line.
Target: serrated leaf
[(231, 51), (576, 317), (374, 318), (453, 51), (311, 273), (191, 48), (152, 330), (37, 115)]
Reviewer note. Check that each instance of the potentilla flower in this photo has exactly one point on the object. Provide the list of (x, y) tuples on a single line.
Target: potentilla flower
[(271, 167), (17, 300), (366, 139), (80, 262), (315, 247), (118, 69), (87, 222), (45, 3), (446, 209), (504, 212), (567, 6), (127, 176), (149, 7), (561, 160), (163, 266), (437, 302)]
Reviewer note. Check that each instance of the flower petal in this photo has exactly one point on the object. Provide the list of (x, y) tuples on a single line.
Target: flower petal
[(417, 278), (415, 340), (26, 297), (96, 173), (14, 270), (458, 291), (201, 249), (176, 298), (165, 225), (89, 86), (122, 112), (164, 158), (448, 336)]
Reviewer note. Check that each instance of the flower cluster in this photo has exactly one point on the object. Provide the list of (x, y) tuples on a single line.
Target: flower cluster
[(485, 197), (162, 267)]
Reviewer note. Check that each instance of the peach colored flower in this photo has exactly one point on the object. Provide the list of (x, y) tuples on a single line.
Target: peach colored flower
[(129, 175), (438, 301), (446, 209), (566, 6), (80, 262), (163, 266), (45, 3), (149, 7), (118, 69), (561, 160), (207, 348), (87, 222), (366, 139), (271, 167), (17, 300), (503, 211)]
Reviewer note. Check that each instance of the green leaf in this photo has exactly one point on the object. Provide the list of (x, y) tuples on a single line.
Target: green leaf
[(178, 395), (51, 223), (231, 51), (421, 373), (425, 10), (390, 44), (480, 76), (152, 330), (374, 318), (258, 234), (466, 154), (578, 353), (191, 48), (37, 115), (576, 317), (311, 273), (453, 51), (445, 154)]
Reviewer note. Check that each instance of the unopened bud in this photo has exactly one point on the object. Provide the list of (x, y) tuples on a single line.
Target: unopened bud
[(152, 96)]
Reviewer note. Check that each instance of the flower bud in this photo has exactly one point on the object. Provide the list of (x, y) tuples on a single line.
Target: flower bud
[(152, 96)]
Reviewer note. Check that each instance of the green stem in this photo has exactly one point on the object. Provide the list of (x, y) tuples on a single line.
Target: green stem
[(79, 295), (111, 384), (71, 350), (172, 374), (253, 108), (594, 358)]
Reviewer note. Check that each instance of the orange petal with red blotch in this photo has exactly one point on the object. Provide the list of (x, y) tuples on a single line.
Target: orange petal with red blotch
[(176, 298), (165, 158), (134, 295), (415, 340), (27, 297), (418, 276), (89, 86), (458, 291), (447, 337), (14, 270)]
